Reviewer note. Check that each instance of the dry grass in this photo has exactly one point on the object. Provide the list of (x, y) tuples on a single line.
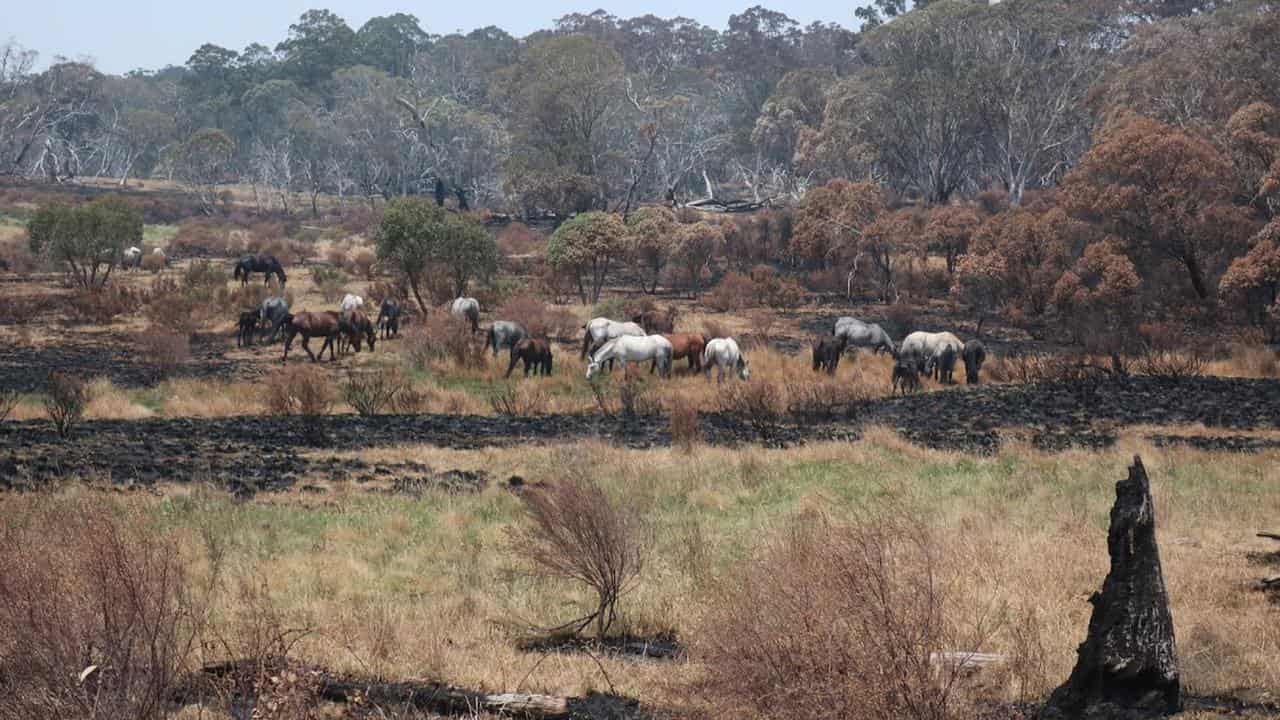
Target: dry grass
[(411, 588)]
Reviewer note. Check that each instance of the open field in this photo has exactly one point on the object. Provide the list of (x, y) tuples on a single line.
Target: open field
[(394, 585), (385, 544)]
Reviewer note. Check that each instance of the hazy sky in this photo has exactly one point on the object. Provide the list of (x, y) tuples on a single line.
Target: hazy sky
[(128, 34)]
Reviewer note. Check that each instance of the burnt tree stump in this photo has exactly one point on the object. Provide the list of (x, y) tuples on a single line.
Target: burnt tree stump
[(1127, 666)]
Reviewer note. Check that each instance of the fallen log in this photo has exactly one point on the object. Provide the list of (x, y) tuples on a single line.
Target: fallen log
[(443, 699), (1269, 536), (236, 678)]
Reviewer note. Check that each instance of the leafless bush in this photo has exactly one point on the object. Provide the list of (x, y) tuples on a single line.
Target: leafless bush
[(636, 398), (372, 393), (834, 621), (361, 263), (575, 532), (714, 329), (96, 616), (164, 351), (65, 400), (517, 400), (682, 418), (1172, 364), (758, 404), (822, 399), (8, 401), (299, 390)]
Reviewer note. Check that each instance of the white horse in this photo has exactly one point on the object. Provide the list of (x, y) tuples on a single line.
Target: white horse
[(725, 355), (468, 309), (350, 302), (926, 346), (857, 333), (601, 330), (132, 257), (630, 348)]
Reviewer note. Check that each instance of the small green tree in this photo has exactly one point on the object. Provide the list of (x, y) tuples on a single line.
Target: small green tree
[(417, 238), (87, 241), (586, 246), (651, 235)]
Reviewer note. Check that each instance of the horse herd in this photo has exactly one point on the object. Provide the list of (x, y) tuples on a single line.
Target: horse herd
[(931, 353), (648, 337)]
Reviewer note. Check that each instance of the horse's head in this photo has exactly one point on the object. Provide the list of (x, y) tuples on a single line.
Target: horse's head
[(744, 370), (593, 369)]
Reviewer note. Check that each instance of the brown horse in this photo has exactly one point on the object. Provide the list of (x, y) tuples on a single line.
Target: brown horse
[(654, 321), (536, 354), (355, 323), (688, 345), (309, 325)]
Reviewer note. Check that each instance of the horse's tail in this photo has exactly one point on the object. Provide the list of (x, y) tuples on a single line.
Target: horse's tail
[(490, 340), (280, 273), (586, 342), (235, 274)]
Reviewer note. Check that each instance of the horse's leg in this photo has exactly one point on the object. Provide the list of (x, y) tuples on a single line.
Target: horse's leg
[(305, 346), (512, 365)]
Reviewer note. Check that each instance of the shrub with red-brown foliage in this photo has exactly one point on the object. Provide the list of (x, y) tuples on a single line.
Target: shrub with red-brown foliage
[(834, 621), (519, 239), (96, 616), (764, 286), (65, 400), (202, 237), (540, 319), (16, 257), (575, 532), (441, 337)]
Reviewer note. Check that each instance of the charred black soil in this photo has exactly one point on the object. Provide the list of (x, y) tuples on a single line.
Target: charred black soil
[(248, 454)]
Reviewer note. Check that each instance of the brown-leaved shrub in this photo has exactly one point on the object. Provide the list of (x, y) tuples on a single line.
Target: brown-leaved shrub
[(65, 399)]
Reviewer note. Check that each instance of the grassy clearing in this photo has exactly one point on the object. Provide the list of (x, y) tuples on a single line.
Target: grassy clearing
[(411, 588)]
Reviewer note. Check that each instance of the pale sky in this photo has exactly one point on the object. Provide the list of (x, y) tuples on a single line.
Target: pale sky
[(127, 34)]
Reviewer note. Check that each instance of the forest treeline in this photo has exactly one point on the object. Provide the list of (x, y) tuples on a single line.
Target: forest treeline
[(1059, 155)]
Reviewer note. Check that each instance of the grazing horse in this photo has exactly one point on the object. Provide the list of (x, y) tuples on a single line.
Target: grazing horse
[(355, 323), (630, 348), (309, 325), (132, 258), (468, 308), (943, 365), (350, 302), (724, 354), (536, 354), (601, 330), (657, 322), (906, 374), (389, 318), (974, 354), (246, 327), (504, 334), (857, 333), (926, 346), (687, 345), (274, 310), (826, 353), (268, 265)]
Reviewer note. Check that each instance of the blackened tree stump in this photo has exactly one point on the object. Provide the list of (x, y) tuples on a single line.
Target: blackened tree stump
[(1127, 666)]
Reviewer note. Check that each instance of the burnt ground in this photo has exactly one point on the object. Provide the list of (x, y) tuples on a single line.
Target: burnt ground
[(26, 368), (248, 454)]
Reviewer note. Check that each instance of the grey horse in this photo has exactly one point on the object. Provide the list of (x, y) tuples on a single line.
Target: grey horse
[(468, 309), (975, 353), (274, 312), (926, 346), (857, 333), (504, 334)]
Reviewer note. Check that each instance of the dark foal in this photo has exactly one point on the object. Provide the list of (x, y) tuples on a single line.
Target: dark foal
[(246, 327), (826, 353), (536, 354)]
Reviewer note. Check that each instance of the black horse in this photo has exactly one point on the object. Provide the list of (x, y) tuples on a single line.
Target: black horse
[(389, 318), (268, 265)]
